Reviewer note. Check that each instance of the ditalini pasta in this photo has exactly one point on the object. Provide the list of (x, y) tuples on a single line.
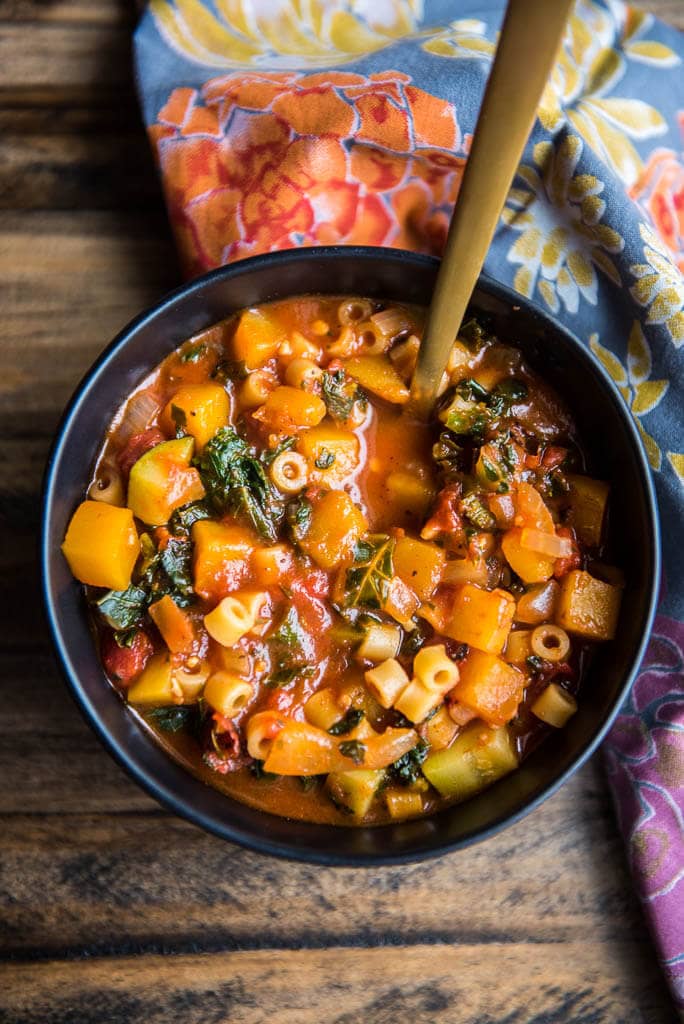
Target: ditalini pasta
[(321, 607)]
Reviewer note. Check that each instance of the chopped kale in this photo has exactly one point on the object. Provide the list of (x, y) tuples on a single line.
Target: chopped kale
[(506, 394), (125, 637), (285, 675), (466, 417), (472, 334), (414, 640), (269, 455), (180, 420), (368, 580), (298, 516), (325, 459), (183, 519), (228, 369), (354, 750), (236, 482), (340, 394), (534, 663), (257, 770), (470, 390), (170, 572), (123, 609), (308, 782), (346, 724), (449, 456), (175, 718), (193, 353), (474, 510), (407, 769)]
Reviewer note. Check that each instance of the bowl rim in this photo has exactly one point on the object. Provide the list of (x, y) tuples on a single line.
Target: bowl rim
[(148, 781)]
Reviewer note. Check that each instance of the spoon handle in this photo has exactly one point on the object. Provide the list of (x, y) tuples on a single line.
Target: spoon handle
[(530, 36)]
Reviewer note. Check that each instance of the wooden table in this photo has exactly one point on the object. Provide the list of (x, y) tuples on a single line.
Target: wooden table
[(112, 909)]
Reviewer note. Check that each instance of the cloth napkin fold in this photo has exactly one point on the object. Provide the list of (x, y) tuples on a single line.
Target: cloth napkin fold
[(285, 123)]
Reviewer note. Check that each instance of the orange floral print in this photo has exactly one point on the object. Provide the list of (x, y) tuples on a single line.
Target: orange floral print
[(659, 189), (258, 162)]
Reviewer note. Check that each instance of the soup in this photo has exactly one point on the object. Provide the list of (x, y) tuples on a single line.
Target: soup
[(326, 609)]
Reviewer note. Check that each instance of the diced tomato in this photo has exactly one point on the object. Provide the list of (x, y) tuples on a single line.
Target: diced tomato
[(562, 566), (124, 664), (137, 446), (308, 594), (445, 517)]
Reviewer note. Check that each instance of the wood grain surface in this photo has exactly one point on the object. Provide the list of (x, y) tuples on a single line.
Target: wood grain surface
[(112, 910)]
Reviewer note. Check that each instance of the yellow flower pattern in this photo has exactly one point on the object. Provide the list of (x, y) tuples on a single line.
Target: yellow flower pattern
[(659, 286), (285, 33), (676, 460), (463, 39), (589, 66), (641, 394), (562, 239)]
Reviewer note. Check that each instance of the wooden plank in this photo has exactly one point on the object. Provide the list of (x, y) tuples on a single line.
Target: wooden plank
[(72, 55), (439, 984), (74, 12), (111, 861)]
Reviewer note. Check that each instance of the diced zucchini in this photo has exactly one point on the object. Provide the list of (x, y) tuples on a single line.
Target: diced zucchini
[(478, 757), (588, 500), (162, 480), (354, 789), (587, 606)]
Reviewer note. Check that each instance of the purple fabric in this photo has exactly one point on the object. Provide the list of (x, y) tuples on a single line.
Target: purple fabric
[(645, 760)]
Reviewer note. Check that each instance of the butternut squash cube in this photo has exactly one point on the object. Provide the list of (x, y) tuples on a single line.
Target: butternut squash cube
[(332, 454), (489, 687), (587, 606), (377, 374), (588, 501), (101, 545), (174, 624), (334, 528), (419, 564), (198, 409), (221, 559), (256, 338), (162, 480), (481, 618), (401, 602), (287, 410), (156, 685), (529, 565)]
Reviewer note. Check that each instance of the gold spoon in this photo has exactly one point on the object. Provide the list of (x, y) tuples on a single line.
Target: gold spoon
[(530, 36)]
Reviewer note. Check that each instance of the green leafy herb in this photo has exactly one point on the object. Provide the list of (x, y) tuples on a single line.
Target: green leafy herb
[(123, 609), (466, 416), (471, 390), (308, 782), (449, 456), (473, 335), (257, 770), (506, 394), (534, 663), (174, 718), (298, 515), (183, 519), (325, 459), (170, 572), (407, 769), (269, 455), (346, 724), (354, 750), (285, 675), (414, 640), (340, 394), (473, 509), (229, 369), (193, 353), (125, 637), (368, 580), (236, 482)]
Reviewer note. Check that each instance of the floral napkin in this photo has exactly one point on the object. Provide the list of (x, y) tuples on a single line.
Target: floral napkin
[(284, 123)]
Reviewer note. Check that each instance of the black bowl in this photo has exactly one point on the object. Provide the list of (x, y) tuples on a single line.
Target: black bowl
[(391, 274)]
